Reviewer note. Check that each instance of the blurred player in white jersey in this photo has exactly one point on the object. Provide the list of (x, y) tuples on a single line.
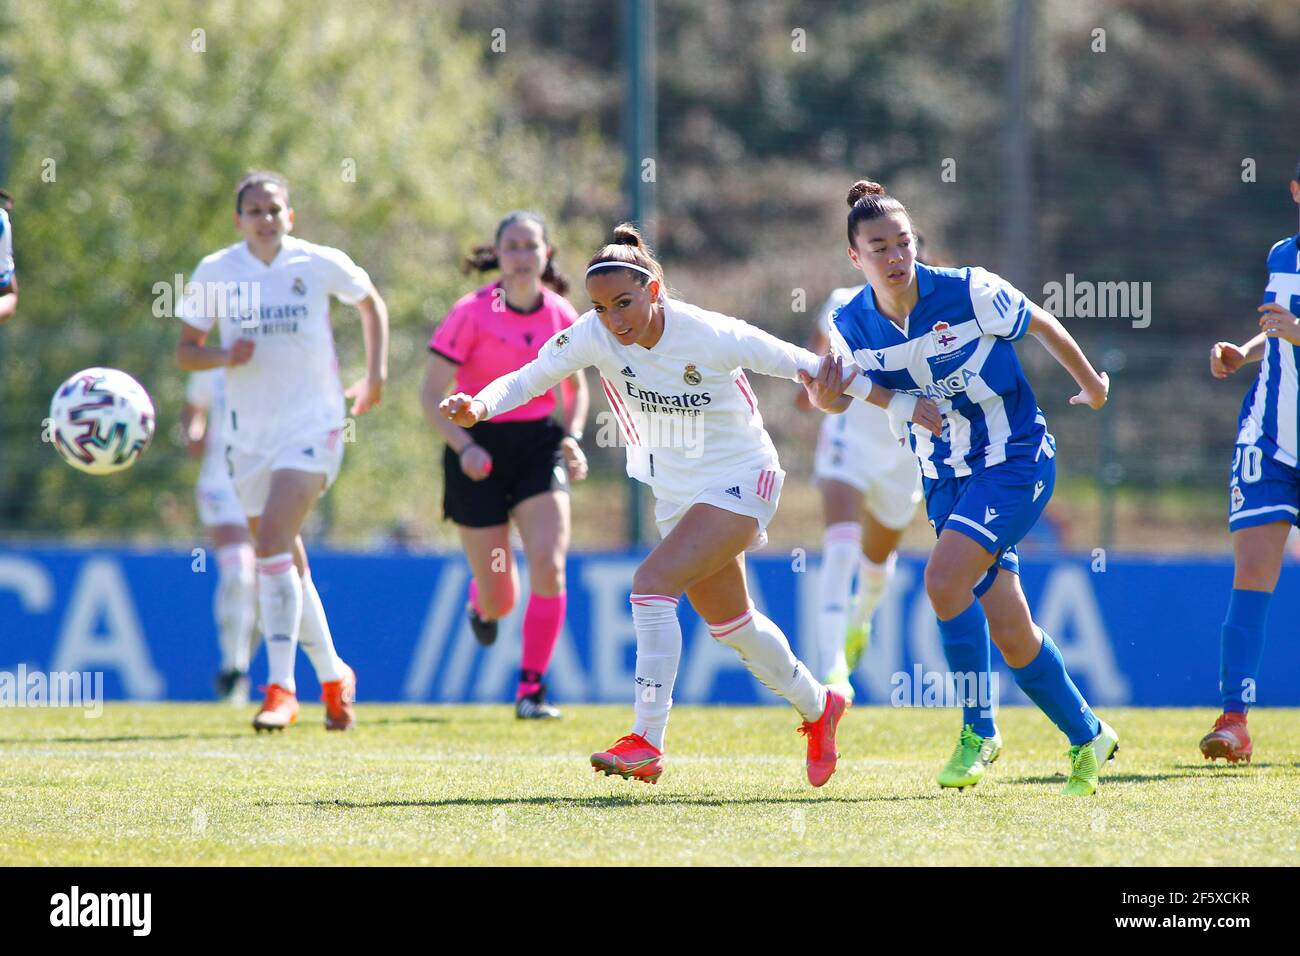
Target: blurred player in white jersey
[(234, 603), (8, 276), (284, 415), (673, 375), (870, 487)]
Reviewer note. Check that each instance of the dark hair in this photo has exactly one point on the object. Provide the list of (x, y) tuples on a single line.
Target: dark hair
[(485, 259), (259, 177), (1297, 171), (867, 201), (6, 200), (628, 246)]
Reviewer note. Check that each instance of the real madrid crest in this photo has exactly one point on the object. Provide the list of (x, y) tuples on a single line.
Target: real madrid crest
[(299, 287), (692, 374)]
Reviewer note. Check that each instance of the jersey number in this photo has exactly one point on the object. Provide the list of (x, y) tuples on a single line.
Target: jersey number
[(1251, 462)]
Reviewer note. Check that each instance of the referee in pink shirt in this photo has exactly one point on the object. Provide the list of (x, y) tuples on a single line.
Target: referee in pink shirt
[(516, 467)]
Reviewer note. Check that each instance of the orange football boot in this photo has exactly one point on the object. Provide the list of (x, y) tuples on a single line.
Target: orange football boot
[(339, 696), (1229, 739), (632, 758), (279, 709), (821, 738)]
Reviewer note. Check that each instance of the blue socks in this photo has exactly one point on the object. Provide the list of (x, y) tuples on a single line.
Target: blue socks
[(966, 646), (1045, 681), (1241, 645)]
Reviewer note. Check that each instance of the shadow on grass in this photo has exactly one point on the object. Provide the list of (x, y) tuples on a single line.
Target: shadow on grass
[(125, 739), (595, 802), (392, 721)]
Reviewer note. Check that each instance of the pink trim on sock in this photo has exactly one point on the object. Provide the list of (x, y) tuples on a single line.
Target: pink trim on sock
[(730, 627), (473, 597), (543, 621), (649, 600), (270, 566)]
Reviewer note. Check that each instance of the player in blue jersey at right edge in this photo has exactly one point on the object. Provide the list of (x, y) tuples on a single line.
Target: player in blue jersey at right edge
[(1264, 494), (945, 335)]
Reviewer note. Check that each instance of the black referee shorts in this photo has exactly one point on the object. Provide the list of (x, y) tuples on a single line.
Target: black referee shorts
[(526, 461)]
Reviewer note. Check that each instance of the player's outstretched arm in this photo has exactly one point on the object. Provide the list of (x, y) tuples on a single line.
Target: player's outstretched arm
[(368, 392), (1094, 388), (561, 356)]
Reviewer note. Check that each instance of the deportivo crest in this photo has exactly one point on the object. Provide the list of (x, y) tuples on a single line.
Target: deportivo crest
[(692, 375), (943, 339), (1238, 499), (299, 287)]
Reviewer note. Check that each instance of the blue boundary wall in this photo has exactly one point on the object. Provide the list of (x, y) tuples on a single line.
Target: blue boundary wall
[(1134, 630)]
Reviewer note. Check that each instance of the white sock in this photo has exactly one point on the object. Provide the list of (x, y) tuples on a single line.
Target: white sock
[(658, 650), (280, 598), (873, 579), (235, 604), (841, 549), (766, 652), (314, 637)]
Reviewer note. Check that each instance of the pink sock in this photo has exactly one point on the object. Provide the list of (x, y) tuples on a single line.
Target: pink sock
[(473, 597), (543, 619)]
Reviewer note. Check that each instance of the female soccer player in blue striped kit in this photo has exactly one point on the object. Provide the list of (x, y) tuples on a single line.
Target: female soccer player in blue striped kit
[(945, 335), (1264, 493)]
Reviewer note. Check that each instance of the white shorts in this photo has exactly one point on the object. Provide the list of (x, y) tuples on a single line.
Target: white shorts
[(857, 448), (321, 454), (756, 497), (217, 499)]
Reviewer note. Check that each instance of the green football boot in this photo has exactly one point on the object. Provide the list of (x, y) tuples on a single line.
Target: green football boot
[(973, 756), (856, 639), (1086, 761)]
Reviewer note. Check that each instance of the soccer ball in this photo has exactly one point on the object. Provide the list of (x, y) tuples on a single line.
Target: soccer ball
[(103, 420)]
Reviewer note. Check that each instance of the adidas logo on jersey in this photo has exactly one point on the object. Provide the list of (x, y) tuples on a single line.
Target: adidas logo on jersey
[(734, 491), (627, 370)]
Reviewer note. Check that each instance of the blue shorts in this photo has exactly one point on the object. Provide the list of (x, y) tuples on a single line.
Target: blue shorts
[(995, 508), (1262, 490)]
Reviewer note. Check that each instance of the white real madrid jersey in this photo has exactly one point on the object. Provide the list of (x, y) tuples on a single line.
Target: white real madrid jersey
[(291, 386), (684, 408)]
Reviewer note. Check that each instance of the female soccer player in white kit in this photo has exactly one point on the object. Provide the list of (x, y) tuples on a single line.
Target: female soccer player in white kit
[(870, 487), (284, 418), (674, 376), (234, 603)]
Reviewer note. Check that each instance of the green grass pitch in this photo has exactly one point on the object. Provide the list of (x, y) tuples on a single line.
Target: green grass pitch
[(192, 784)]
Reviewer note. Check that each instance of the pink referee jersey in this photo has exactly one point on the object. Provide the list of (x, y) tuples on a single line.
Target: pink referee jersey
[(487, 342)]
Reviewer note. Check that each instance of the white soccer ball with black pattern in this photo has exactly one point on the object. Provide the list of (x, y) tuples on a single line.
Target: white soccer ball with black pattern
[(102, 420)]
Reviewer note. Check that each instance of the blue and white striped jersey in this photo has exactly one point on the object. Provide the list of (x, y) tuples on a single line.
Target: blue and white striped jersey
[(955, 349), (1268, 412)]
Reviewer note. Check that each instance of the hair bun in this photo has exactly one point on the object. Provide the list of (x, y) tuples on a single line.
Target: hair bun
[(626, 234), (864, 187)]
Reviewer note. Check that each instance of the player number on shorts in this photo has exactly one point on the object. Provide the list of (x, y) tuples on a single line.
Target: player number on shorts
[(1251, 462)]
